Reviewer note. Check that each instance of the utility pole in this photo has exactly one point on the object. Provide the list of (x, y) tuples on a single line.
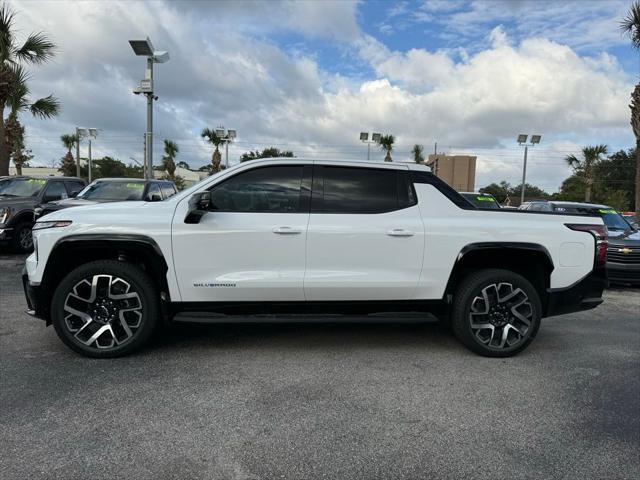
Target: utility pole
[(89, 159), (77, 152)]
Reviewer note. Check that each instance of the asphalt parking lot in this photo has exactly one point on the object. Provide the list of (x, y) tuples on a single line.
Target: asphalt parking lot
[(386, 400)]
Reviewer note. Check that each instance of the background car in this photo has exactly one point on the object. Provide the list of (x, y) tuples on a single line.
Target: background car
[(481, 200), (20, 195), (106, 190), (623, 253), (632, 218)]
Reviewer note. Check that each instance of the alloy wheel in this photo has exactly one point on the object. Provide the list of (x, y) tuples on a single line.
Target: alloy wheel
[(103, 311), (501, 316)]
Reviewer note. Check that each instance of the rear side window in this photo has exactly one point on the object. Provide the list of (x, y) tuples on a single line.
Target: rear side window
[(363, 190), (168, 190), (74, 187)]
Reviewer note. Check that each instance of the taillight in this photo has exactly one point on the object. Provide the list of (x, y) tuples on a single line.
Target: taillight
[(599, 233)]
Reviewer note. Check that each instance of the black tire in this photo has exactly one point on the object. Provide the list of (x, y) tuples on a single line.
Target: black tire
[(22, 241), (511, 301), (117, 279)]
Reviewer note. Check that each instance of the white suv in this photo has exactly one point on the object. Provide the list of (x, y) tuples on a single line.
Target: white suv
[(300, 236)]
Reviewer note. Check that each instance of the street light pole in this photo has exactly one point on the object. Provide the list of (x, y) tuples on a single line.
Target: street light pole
[(149, 138), (522, 140), (144, 48), (364, 138), (77, 152), (524, 174)]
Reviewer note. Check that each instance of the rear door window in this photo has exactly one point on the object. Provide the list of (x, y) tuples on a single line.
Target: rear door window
[(361, 190)]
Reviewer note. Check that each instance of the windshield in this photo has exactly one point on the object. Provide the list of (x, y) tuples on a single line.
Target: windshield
[(481, 200), (113, 191), (613, 220), (21, 187)]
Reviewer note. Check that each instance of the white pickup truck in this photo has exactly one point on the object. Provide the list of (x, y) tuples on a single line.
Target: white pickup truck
[(307, 236)]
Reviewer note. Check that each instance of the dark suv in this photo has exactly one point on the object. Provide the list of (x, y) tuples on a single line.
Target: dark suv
[(20, 195), (106, 190)]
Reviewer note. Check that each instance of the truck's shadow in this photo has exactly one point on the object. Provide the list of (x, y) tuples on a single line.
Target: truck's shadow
[(378, 333)]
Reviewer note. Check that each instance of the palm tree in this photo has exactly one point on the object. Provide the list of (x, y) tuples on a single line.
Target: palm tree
[(68, 167), (386, 144), (35, 50), (630, 26), (216, 141), (584, 168), (417, 150), (169, 159)]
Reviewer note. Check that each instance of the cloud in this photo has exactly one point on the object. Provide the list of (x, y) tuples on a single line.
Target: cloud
[(230, 66)]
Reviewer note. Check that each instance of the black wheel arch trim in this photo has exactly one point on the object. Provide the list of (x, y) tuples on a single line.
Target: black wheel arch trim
[(512, 247), (42, 294), (506, 246)]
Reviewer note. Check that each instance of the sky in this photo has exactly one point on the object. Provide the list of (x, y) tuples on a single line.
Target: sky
[(309, 76)]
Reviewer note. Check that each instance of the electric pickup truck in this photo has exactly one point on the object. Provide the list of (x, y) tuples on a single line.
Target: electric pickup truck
[(299, 237)]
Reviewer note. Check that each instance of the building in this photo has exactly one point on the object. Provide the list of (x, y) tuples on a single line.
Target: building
[(36, 171), (459, 171)]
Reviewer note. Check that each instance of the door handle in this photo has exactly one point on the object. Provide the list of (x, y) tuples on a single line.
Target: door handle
[(400, 232), (287, 230)]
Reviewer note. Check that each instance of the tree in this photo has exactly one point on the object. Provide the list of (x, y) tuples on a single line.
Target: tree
[(504, 191), (630, 26), (184, 165), (216, 141), (68, 164), (584, 168), (168, 160), (19, 155), (386, 144), (270, 152), (417, 152), (36, 49), (499, 191)]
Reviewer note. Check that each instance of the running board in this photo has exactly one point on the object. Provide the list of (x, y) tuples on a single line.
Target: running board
[(386, 317)]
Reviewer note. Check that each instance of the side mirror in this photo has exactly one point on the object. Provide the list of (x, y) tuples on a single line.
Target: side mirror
[(51, 198), (199, 204), (155, 198)]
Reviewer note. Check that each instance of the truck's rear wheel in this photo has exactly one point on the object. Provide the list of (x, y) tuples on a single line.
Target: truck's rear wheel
[(105, 308), (496, 313)]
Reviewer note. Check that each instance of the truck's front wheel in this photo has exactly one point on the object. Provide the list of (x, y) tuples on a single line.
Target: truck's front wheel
[(105, 308), (496, 313)]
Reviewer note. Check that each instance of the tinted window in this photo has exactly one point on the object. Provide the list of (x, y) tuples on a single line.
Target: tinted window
[(22, 187), (154, 189), (360, 190), (540, 207), (482, 200), (113, 190), (74, 187), (55, 191), (262, 190), (168, 190)]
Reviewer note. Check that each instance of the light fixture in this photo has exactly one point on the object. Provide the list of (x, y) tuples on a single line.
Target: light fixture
[(144, 48), (376, 137), (522, 138), (536, 139), (364, 136), (232, 133), (220, 132)]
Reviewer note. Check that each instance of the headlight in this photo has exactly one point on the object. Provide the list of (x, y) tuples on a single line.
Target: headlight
[(52, 224), (4, 214)]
